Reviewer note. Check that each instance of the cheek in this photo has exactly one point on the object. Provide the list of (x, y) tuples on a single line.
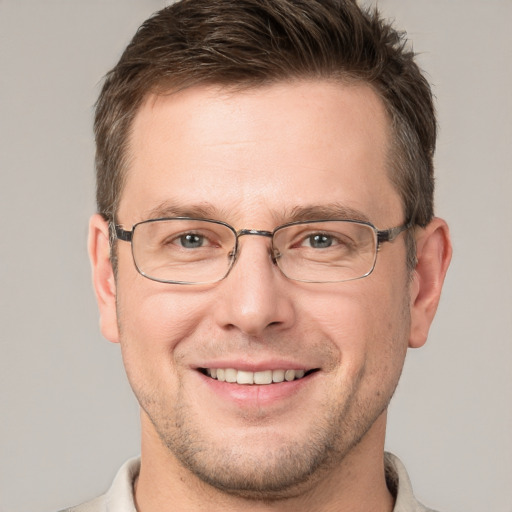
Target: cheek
[(366, 324), (347, 311), (154, 319)]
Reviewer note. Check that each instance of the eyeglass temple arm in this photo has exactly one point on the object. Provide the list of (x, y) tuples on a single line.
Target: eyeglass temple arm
[(122, 234), (388, 235)]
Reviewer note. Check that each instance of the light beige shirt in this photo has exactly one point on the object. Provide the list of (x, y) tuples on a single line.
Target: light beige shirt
[(119, 497)]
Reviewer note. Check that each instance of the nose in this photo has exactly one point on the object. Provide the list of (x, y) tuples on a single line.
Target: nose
[(255, 296)]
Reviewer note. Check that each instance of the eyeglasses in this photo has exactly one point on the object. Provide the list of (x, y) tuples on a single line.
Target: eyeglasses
[(184, 250)]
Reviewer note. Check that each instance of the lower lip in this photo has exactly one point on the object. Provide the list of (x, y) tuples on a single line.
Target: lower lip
[(251, 395)]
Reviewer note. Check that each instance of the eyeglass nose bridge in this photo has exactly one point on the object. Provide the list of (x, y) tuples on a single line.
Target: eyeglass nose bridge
[(256, 232)]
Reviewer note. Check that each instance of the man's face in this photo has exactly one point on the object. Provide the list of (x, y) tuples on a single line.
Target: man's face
[(251, 159)]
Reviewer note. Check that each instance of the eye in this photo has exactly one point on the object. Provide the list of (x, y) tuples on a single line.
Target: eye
[(191, 240), (319, 241)]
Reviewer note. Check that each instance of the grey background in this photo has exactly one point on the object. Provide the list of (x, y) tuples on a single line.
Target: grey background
[(68, 419)]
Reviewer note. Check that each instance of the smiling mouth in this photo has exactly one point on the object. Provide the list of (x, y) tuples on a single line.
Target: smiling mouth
[(264, 377)]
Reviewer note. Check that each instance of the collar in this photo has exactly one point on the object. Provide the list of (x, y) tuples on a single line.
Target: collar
[(120, 496)]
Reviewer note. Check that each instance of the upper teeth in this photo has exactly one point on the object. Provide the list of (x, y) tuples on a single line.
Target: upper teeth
[(263, 377)]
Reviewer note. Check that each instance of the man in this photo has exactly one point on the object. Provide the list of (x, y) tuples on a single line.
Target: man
[(265, 252)]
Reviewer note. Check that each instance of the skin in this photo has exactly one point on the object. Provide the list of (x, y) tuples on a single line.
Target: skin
[(249, 158)]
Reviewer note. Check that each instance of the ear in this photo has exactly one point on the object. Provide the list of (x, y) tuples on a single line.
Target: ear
[(433, 252), (103, 277)]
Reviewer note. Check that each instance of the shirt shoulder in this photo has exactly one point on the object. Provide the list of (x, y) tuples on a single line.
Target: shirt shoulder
[(399, 484), (96, 505), (119, 497)]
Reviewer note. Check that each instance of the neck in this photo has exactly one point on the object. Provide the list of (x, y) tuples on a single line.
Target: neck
[(356, 484)]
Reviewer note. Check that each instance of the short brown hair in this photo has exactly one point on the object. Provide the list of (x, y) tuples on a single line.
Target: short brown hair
[(248, 43)]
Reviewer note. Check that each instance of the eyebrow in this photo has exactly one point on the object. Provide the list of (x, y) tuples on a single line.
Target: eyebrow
[(170, 208), (205, 210), (331, 211)]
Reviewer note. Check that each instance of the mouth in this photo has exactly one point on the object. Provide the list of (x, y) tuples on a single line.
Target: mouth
[(264, 377)]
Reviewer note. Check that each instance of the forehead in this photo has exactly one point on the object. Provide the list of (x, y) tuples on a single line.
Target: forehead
[(262, 151)]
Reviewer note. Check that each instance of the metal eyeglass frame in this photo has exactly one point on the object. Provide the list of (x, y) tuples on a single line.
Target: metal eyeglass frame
[(382, 236)]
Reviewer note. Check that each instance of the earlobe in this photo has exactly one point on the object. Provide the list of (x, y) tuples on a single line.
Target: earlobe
[(434, 251), (103, 277)]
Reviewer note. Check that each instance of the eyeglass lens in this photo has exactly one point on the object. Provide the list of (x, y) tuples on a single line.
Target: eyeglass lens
[(202, 251)]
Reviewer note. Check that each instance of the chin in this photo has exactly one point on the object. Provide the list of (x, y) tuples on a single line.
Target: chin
[(261, 463), (273, 475)]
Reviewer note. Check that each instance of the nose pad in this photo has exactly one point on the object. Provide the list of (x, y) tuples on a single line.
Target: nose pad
[(274, 255)]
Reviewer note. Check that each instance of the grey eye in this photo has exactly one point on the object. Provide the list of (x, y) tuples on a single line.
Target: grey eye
[(191, 241), (319, 241)]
